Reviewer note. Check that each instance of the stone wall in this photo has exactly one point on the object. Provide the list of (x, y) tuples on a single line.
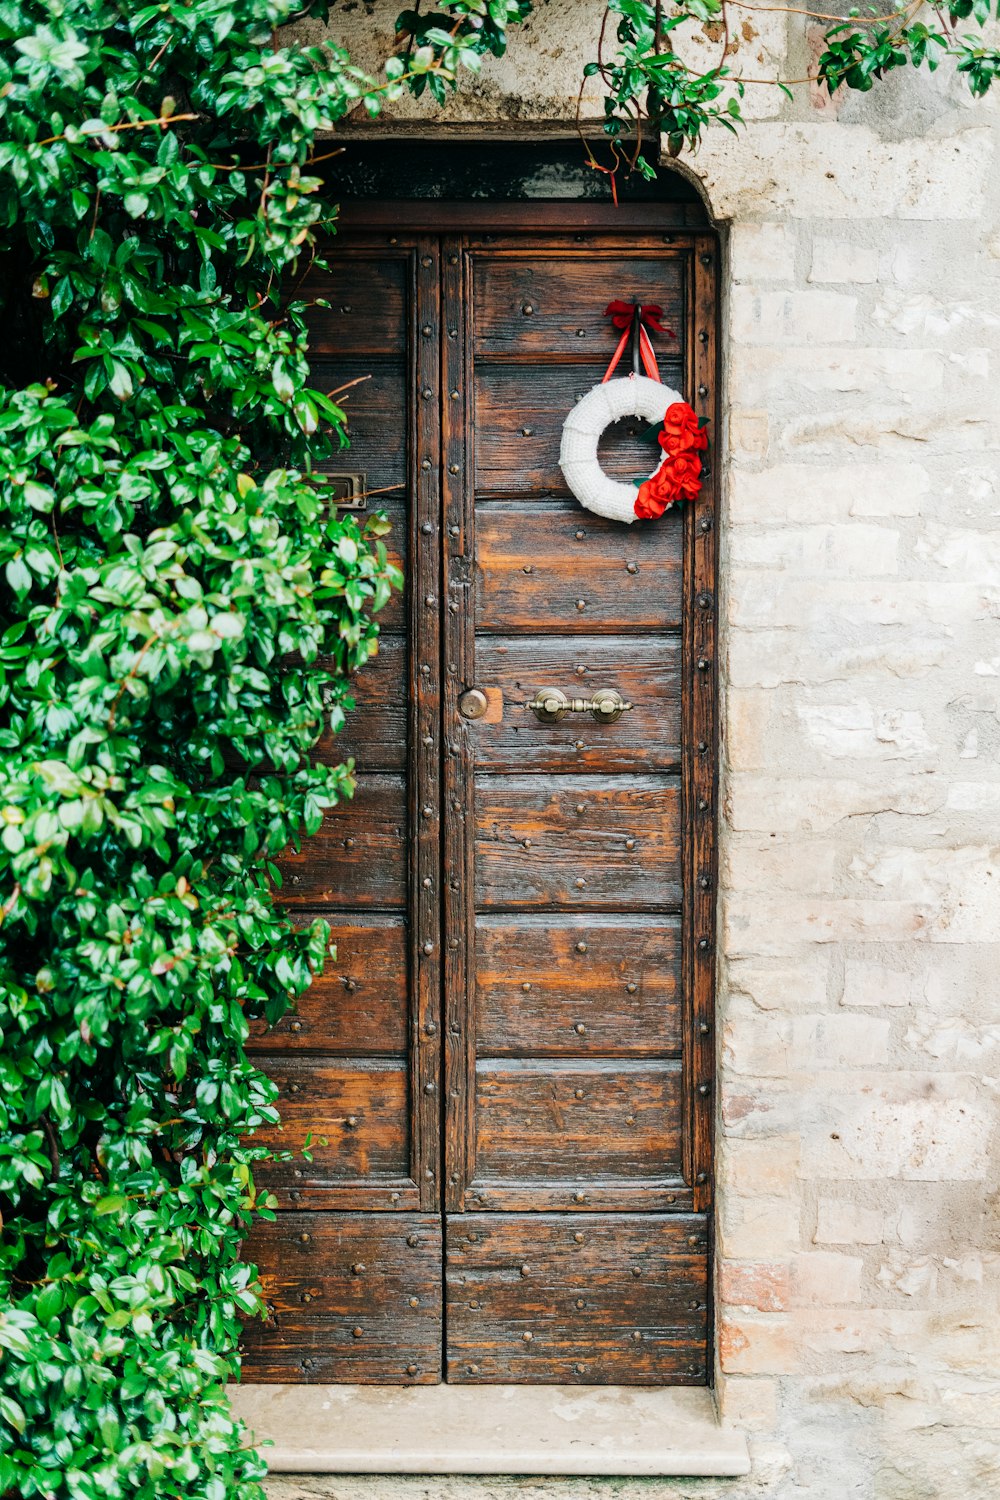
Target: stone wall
[(859, 1265)]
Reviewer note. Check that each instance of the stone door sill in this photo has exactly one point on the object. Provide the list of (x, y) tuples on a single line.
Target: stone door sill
[(499, 1429)]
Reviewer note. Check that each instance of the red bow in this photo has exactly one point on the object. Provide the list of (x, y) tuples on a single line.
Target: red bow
[(650, 313), (629, 317)]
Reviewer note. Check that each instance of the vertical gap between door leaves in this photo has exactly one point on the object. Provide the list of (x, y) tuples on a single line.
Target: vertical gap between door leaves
[(444, 645)]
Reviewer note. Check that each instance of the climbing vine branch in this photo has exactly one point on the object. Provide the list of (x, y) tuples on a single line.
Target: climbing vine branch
[(651, 80)]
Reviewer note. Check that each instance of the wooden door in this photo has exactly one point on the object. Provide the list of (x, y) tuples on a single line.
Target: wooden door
[(511, 1060)]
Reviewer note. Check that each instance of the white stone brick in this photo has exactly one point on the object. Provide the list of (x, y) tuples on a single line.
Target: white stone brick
[(956, 1040), (810, 551), (822, 1278), (959, 888), (760, 317), (769, 985), (747, 729), (843, 261), (798, 866), (917, 1127), (767, 1169), (928, 316), (758, 1046), (980, 797), (973, 555), (758, 1228), (759, 658), (839, 1041), (952, 429), (749, 435), (870, 983), (843, 1222), (801, 608), (809, 171), (861, 731), (786, 377), (762, 252), (824, 492), (813, 805), (778, 926), (749, 1401)]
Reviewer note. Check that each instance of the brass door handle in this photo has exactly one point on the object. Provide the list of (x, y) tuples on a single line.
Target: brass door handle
[(550, 704)]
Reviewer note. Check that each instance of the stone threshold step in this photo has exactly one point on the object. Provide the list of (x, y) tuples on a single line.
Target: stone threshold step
[(499, 1429)]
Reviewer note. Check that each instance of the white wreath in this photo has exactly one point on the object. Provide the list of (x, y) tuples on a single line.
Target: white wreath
[(631, 396)]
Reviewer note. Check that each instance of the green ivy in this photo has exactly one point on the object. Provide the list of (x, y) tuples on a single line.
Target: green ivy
[(651, 89), (180, 613)]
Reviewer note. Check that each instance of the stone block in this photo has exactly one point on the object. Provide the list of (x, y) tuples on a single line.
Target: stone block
[(746, 732), (823, 1278), (817, 805), (787, 317), (760, 1285), (841, 260), (758, 1046), (771, 985), (760, 1344), (816, 551), (790, 377), (969, 554), (916, 1127), (839, 1041), (826, 1331), (748, 1401), (843, 1222), (955, 429), (861, 730), (765, 1168), (867, 982), (826, 493), (749, 435), (762, 252), (810, 171), (758, 1228), (806, 866)]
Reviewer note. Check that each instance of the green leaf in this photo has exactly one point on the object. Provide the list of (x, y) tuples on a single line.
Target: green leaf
[(112, 1204)]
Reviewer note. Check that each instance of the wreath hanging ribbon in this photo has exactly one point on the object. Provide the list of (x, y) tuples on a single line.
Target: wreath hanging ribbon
[(634, 318), (677, 477)]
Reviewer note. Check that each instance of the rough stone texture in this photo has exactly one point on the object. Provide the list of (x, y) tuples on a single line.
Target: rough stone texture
[(859, 1057)]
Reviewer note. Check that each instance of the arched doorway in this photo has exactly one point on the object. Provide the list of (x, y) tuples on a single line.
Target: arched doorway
[(508, 1068)]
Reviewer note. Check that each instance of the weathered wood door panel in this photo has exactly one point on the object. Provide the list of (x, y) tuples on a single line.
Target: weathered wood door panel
[(597, 1299), (352, 1297), (508, 1064), (353, 1267), (531, 560)]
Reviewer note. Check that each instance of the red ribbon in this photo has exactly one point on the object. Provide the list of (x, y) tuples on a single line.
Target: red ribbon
[(624, 315), (650, 313)]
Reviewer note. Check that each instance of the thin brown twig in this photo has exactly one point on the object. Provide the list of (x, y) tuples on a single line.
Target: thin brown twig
[(259, 166), (163, 120), (131, 676), (358, 380), (156, 56), (10, 903), (822, 15), (53, 1140)]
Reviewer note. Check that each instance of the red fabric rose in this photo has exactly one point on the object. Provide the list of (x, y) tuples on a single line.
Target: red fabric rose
[(681, 431), (649, 505), (677, 478), (682, 472), (679, 474)]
